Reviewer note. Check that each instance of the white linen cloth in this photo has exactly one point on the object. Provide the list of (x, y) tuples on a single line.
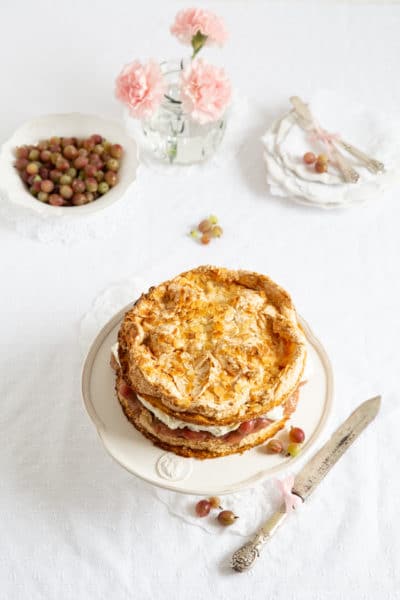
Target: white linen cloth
[(75, 526)]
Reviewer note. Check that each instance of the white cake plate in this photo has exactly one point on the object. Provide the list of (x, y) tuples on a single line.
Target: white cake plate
[(214, 476)]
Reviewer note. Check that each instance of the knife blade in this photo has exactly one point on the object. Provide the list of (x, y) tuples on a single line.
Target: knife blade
[(323, 461), (310, 477)]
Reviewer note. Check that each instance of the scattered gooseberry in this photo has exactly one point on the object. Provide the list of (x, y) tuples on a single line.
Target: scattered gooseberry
[(204, 226), (226, 517), (321, 167), (274, 447), (293, 449), (309, 158), (203, 508), (215, 502), (216, 231), (296, 435)]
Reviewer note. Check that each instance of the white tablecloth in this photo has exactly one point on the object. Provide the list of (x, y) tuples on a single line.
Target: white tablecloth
[(73, 524)]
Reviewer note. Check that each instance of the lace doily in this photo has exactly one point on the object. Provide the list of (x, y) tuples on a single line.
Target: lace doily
[(106, 305), (252, 507), (103, 224)]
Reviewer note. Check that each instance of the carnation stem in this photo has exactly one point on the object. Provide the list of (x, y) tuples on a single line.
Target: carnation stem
[(198, 41), (196, 51), (172, 99)]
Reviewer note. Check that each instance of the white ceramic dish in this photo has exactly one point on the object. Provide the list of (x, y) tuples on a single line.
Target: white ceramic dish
[(12, 189), (371, 130), (214, 476)]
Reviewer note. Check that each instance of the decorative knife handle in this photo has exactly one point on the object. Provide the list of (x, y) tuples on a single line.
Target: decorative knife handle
[(244, 558)]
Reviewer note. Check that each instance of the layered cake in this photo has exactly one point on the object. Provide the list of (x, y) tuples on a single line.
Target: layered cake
[(210, 363)]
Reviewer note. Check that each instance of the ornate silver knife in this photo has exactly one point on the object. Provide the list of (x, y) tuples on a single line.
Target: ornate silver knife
[(306, 121), (309, 478)]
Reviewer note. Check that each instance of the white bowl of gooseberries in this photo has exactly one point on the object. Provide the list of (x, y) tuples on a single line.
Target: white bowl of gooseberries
[(68, 191)]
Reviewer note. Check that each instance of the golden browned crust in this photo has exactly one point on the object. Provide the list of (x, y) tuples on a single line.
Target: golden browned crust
[(213, 346), (143, 421)]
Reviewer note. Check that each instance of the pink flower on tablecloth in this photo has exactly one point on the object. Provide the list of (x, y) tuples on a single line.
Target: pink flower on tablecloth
[(141, 88), (197, 27), (205, 91)]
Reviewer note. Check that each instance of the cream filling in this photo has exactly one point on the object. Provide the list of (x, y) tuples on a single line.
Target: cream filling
[(308, 369), (274, 414), (114, 352), (217, 430)]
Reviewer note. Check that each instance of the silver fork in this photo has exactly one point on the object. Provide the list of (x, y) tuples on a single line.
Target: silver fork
[(373, 165), (349, 174), (306, 121)]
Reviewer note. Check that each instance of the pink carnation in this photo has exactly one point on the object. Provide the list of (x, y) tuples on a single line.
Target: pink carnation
[(190, 21), (141, 88), (205, 91)]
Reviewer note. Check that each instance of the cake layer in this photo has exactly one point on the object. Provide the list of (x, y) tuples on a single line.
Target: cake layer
[(199, 444), (213, 346), (174, 423), (180, 420)]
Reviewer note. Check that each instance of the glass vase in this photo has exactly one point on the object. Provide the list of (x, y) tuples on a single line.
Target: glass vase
[(172, 135)]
